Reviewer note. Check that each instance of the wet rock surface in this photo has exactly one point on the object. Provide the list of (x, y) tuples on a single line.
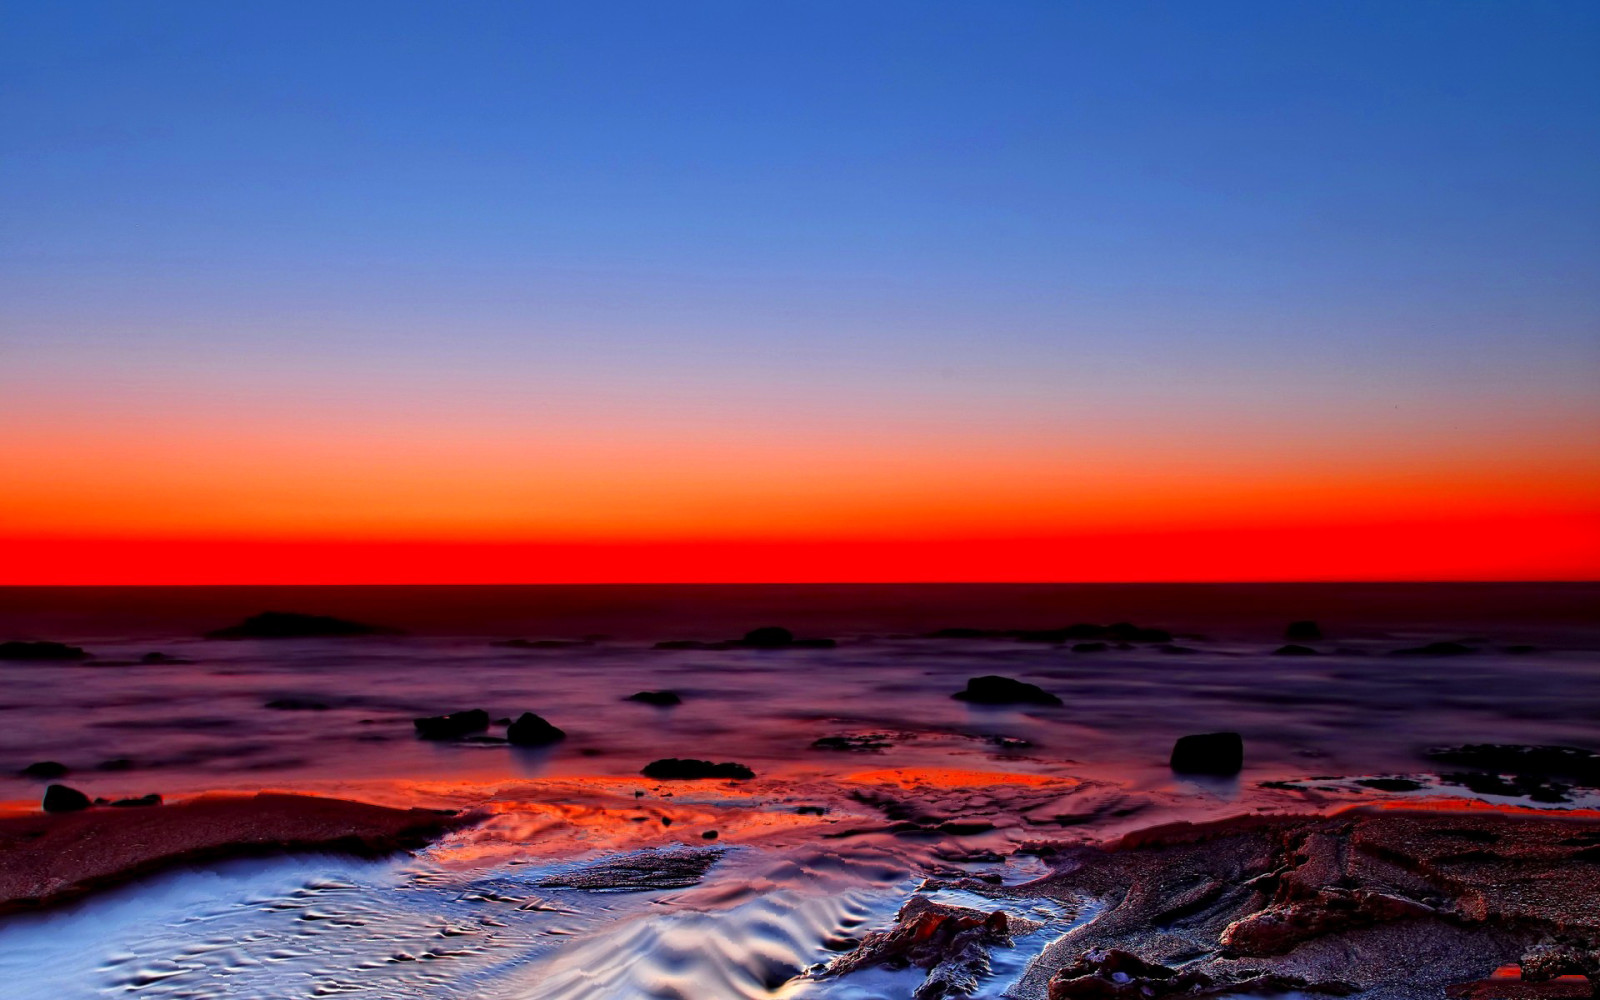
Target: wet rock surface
[(951, 942), (532, 730), (669, 868)]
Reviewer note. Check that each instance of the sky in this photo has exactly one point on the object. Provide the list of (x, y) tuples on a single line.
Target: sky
[(615, 292)]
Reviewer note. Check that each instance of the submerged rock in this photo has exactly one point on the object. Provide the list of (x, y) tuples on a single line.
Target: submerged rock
[(670, 868), (531, 730), (993, 690), (1208, 753), (660, 699), (291, 625), (689, 769), (41, 651), (452, 726), (1521, 759), (141, 802), (45, 769), (951, 942), (60, 798)]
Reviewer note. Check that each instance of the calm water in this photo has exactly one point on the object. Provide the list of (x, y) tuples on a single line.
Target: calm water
[(425, 926)]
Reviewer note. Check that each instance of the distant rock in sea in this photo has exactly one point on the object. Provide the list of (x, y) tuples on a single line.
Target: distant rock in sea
[(1293, 650), (767, 637), (540, 643), (532, 730), (1303, 631), (45, 769), (41, 651), (452, 726), (1208, 753), (660, 699), (1436, 649), (291, 625), (992, 690), (296, 705), (689, 769)]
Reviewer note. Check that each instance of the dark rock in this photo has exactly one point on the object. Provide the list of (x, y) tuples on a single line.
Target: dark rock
[(992, 690), (45, 769), (660, 699), (951, 942), (688, 769), (295, 705), (1111, 974), (1292, 650), (157, 659), (1391, 784), (539, 644), (1517, 786), (672, 868), (1208, 753), (709, 835), (811, 811), (1306, 631), (770, 637), (1283, 925), (452, 726), (60, 799), (1515, 758), (290, 625), (1090, 647), (533, 731), (1436, 649), (859, 743), (139, 803), (41, 651)]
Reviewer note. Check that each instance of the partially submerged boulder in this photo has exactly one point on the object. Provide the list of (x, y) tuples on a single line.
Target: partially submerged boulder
[(1208, 753), (660, 699), (993, 690), (689, 769), (452, 726), (292, 625), (60, 799), (41, 651), (45, 769), (1294, 650), (531, 730)]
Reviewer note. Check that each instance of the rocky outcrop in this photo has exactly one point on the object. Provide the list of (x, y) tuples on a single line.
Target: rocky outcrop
[(992, 690), (1208, 753), (292, 625), (689, 769), (531, 730)]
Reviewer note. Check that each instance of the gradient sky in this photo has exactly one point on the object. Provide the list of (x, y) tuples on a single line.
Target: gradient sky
[(744, 291)]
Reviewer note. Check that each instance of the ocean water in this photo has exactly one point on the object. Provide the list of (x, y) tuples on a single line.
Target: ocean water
[(808, 853)]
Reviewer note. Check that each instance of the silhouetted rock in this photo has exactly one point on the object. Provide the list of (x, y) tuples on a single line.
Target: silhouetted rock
[(770, 637), (155, 659), (45, 769), (1515, 758), (539, 643), (661, 699), (452, 726), (1208, 753), (992, 690), (60, 799), (290, 625), (1293, 650), (533, 731), (296, 705), (41, 651), (137, 803), (1090, 647), (1436, 649), (1306, 631), (675, 768)]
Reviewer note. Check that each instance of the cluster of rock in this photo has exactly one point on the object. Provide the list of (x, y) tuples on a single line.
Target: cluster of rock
[(527, 730)]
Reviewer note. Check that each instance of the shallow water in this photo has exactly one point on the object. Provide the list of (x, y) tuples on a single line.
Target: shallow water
[(468, 919)]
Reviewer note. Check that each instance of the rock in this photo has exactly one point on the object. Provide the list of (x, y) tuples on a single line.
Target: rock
[(773, 637), (1516, 758), (1090, 647), (951, 942), (1436, 649), (1391, 784), (155, 659), (452, 726), (41, 651), (1282, 926), (1293, 650), (290, 625), (533, 731), (660, 699), (141, 802), (60, 799), (688, 769), (1110, 973), (1208, 753), (709, 835), (859, 743), (1306, 631), (45, 769), (992, 690), (295, 705), (539, 643), (670, 868)]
